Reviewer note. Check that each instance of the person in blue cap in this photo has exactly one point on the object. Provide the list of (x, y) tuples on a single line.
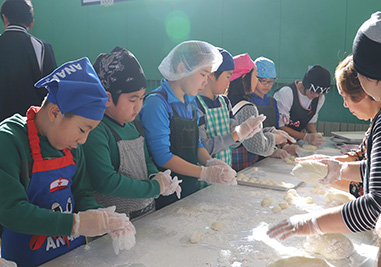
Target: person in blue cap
[(46, 200), (267, 105), (170, 121), (218, 128), (117, 158)]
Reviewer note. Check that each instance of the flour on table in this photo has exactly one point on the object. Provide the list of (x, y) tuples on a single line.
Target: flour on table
[(310, 171), (300, 262), (330, 246)]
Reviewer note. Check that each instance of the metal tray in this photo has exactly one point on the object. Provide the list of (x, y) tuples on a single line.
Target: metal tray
[(271, 176)]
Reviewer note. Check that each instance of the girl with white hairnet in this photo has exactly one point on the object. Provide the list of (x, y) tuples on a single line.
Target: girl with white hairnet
[(169, 117)]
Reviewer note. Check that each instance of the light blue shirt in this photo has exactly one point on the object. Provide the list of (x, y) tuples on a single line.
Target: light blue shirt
[(155, 117)]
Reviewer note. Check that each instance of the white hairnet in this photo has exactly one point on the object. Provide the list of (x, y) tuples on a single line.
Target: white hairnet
[(194, 55)]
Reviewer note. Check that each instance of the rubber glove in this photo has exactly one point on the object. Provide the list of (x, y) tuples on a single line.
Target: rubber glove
[(280, 153), (301, 225), (292, 149), (315, 139), (282, 136), (215, 162), (98, 222), (249, 127), (313, 157), (123, 239), (335, 169), (168, 185), (218, 175), (378, 227), (7, 263)]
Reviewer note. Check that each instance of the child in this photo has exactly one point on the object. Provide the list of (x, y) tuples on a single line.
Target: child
[(169, 117), (116, 154), (299, 104), (46, 199), (217, 127), (243, 82)]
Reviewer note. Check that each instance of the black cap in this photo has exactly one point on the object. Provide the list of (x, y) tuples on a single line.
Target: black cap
[(317, 79)]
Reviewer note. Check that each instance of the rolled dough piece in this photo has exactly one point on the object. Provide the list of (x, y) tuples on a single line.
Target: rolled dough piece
[(299, 262), (276, 209), (310, 171), (216, 226), (309, 147), (240, 176), (330, 246), (195, 238), (338, 198), (309, 200), (266, 202), (283, 205)]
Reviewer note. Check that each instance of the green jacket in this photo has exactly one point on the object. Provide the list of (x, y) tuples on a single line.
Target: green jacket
[(16, 213), (102, 159)]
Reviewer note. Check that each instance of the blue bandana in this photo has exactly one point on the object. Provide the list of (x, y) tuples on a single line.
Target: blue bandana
[(75, 87), (265, 68), (227, 61)]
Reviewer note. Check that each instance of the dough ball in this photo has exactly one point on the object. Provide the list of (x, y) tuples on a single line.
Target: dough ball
[(300, 262), (216, 226), (283, 205), (309, 147), (318, 186), (253, 180), (330, 246), (240, 176), (310, 171), (314, 190), (309, 200), (276, 209), (292, 191), (266, 202), (323, 192), (194, 238), (290, 160), (337, 199)]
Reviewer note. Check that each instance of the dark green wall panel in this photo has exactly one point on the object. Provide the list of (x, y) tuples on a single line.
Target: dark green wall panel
[(293, 33)]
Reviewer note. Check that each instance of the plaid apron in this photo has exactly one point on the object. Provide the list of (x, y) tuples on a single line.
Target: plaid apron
[(218, 123)]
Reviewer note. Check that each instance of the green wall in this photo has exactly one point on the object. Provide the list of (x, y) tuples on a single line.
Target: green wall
[(293, 33)]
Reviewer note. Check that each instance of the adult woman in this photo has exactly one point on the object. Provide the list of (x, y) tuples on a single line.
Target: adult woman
[(362, 213)]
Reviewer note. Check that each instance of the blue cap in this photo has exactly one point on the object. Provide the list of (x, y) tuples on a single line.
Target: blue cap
[(227, 61), (265, 68), (75, 87)]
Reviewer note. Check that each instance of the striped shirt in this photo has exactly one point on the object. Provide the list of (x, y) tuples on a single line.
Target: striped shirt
[(361, 214)]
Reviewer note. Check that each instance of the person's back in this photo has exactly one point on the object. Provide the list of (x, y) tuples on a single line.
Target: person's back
[(24, 60)]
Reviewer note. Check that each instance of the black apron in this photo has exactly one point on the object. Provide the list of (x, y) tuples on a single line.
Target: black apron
[(184, 144), (270, 113)]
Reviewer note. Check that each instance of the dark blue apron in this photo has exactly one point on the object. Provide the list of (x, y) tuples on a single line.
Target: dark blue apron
[(49, 188)]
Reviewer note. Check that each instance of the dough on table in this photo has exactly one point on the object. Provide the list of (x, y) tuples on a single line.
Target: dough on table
[(241, 177), (310, 171), (337, 199), (299, 262), (195, 238), (283, 205), (309, 147), (309, 200), (276, 209), (330, 246), (216, 226), (266, 202)]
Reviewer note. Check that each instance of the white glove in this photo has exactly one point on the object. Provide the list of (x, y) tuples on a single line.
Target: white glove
[(249, 127), (168, 185), (301, 225), (282, 136), (280, 153), (215, 162), (98, 222), (123, 239), (292, 149), (218, 175), (334, 171), (315, 139), (6, 263)]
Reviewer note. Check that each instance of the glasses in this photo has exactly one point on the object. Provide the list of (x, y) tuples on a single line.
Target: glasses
[(264, 82)]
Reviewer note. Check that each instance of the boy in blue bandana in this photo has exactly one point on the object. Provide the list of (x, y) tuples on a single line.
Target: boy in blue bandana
[(47, 206)]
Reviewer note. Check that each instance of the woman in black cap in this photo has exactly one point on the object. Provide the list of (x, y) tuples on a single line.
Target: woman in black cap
[(299, 104), (362, 213)]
